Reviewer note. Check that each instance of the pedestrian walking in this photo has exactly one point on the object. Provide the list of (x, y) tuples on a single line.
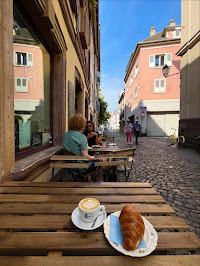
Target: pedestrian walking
[(128, 128), (137, 128)]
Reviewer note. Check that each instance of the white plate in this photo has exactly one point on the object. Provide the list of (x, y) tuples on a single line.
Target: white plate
[(150, 237), (96, 146), (111, 144), (78, 222)]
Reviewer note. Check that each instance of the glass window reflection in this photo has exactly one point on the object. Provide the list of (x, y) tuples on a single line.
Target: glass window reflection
[(31, 87)]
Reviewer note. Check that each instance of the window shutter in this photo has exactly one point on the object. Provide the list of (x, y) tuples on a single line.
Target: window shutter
[(14, 58), (18, 82), (162, 83), (169, 59), (24, 82), (29, 59), (151, 61), (156, 85)]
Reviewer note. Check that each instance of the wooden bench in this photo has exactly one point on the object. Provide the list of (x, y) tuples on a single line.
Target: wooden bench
[(71, 162)]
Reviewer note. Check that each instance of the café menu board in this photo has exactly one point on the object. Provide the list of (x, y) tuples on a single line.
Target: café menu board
[(71, 99), (24, 134)]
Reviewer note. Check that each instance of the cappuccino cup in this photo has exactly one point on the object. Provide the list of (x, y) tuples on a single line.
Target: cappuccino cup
[(89, 209)]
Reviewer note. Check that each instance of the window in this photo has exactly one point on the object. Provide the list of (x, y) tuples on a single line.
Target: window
[(159, 85), (136, 92), (131, 98), (21, 85), (31, 88), (131, 80), (177, 32), (136, 70), (23, 59), (159, 60)]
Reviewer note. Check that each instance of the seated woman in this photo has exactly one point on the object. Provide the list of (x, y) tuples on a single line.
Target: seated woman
[(76, 142), (91, 135)]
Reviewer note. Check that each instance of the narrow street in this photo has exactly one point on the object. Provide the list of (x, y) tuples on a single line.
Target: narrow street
[(174, 173)]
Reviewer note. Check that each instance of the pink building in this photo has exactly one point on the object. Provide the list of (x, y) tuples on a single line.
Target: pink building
[(150, 97)]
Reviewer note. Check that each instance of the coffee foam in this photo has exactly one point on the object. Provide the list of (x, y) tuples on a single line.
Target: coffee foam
[(89, 204)]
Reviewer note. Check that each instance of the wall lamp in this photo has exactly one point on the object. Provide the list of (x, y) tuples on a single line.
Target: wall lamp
[(165, 71)]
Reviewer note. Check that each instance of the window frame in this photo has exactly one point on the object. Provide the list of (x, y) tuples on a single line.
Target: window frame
[(177, 29), (160, 89), (29, 63), (136, 69), (20, 89), (136, 92), (152, 60), (159, 58), (131, 81), (56, 47)]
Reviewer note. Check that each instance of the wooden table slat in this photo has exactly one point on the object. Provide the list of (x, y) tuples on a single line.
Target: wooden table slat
[(75, 184), (77, 243), (34, 198), (179, 260), (63, 222), (66, 208), (77, 191)]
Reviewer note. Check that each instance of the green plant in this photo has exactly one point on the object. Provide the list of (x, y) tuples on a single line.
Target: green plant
[(103, 115), (93, 4)]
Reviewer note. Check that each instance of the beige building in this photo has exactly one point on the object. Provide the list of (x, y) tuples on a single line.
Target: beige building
[(49, 52), (190, 71)]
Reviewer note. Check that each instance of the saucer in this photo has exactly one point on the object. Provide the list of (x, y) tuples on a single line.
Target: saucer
[(78, 222)]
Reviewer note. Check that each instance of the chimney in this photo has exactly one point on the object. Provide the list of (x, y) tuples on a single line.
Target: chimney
[(152, 31), (172, 22)]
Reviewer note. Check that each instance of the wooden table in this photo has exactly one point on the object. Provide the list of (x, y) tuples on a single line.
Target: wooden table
[(107, 149), (36, 226)]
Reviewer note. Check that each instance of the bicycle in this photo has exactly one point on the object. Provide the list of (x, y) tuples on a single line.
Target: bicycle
[(147, 133), (179, 141), (197, 143)]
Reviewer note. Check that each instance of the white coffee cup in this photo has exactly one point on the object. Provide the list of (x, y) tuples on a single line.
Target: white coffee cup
[(89, 209)]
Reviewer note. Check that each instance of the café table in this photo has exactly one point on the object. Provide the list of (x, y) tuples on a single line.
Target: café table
[(107, 149), (36, 226)]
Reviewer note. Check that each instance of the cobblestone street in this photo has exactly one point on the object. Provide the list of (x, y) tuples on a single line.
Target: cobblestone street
[(175, 174)]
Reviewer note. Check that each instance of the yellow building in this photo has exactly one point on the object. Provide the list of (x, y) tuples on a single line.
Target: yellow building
[(47, 48)]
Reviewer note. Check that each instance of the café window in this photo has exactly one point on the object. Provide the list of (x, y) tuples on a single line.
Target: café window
[(31, 63)]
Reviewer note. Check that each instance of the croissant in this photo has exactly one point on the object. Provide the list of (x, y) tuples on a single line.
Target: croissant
[(132, 226)]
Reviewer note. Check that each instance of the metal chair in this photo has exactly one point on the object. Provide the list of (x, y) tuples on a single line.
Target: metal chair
[(130, 152)]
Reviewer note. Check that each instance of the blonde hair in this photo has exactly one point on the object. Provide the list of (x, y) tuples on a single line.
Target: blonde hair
[(77, 122)]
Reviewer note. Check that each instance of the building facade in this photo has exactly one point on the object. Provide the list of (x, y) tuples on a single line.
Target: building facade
[(190, 71), (122, 110), (113, 122), (49, 60), (151, 98)]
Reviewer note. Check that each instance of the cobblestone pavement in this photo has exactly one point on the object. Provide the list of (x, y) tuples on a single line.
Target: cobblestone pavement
[(174, 176)]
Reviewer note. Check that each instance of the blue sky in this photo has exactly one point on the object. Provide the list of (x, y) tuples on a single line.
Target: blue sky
[(123, 24)]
